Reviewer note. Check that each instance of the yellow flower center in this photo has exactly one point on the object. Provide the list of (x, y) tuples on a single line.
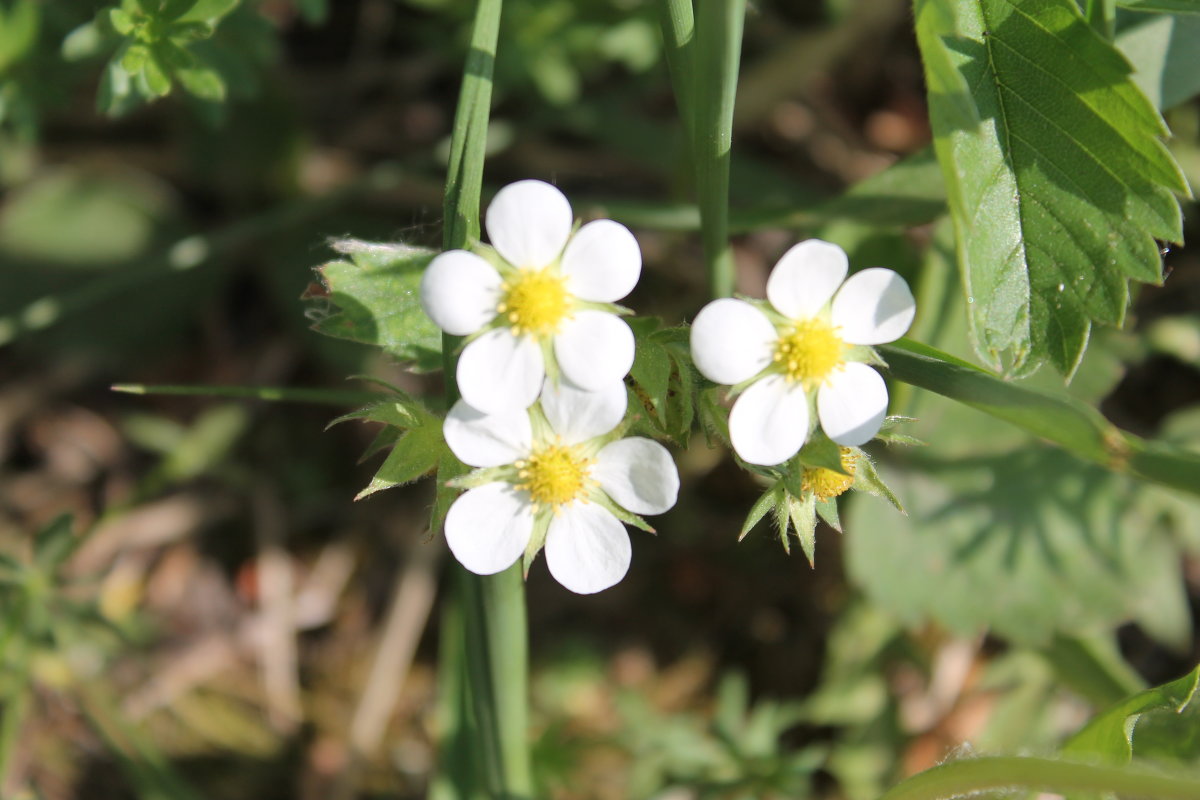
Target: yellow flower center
[(808, 351), (535, 301), (554, 475), (827, 483)]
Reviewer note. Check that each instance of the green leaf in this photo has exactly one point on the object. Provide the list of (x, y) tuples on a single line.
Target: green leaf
[(377, 300), (414, 454), (1028, 543), (202, 10), (121, 20), (1162, 6), (135, 57), (1061, 189), (1111, 737), (203, 82), (155, 76), (55, 543), (18, 31)]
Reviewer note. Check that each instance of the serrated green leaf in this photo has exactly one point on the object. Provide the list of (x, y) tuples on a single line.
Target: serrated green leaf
[(377, 298), (1162, 6), (414, 454), (1060, 191), (651, 369), (714, 418), (1112, 737), (764, 504), (1026, 543)]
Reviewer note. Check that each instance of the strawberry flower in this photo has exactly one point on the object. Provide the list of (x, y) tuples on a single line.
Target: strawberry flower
[(809, 346), (543, 306)]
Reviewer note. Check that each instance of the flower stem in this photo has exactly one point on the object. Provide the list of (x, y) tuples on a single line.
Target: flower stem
[(714, 69), (491, 638), (959, 778)]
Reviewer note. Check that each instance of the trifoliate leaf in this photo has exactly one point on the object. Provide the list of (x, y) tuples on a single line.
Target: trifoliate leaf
[(1060, 190), (376, 295)]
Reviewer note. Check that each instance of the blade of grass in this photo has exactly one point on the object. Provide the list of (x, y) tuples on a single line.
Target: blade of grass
[(282, 394), (678, 23), (1060, 419), (715, 64)]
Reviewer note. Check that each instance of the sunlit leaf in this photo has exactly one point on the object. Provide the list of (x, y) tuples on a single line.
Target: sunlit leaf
[(1060, 191)]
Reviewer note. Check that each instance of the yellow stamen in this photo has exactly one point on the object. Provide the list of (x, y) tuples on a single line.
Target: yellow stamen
[(535, 301), (827, 483), (809, 351), (555, 475)]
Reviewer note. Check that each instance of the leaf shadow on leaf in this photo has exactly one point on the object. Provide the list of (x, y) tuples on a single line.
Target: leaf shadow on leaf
[(1057, 480)]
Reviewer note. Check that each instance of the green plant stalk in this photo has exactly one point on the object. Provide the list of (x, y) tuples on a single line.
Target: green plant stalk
[(714, 69), (959, 778), (1102, 16), (493, 607), (1059, 419), (281, 394)]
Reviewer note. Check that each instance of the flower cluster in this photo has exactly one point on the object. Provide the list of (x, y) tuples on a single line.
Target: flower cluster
[(543, 394), (803, 356)]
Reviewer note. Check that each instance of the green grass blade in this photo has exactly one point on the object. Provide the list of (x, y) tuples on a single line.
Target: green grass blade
[(1060, 419), (679, 31), (717, 55), (280, 394), (469, 139)]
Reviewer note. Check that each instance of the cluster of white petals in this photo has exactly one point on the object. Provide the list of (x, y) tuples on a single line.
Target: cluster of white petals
[(561, 467), (542, 382), (806, 348), (546, 300)]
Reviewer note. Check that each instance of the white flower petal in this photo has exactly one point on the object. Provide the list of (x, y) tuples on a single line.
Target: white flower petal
[(602, 262), (852, 405), (587, 548), (731, 341), (578, 415), (487, 440), (488, 528), (528, 223), (460, 292), (639, 474), (873, 307), (806, 277), (769, 421), (594, 349), (500, 372)]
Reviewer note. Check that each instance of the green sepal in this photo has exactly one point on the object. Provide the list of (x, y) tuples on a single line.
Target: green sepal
[(414, 455), (628, 517), (828, 511), (400, 413), (769, 500), (781, 523), (821, 452), (449, 469), (866, 479), (484, 475), (888, 435), (537, 539), (804, 519), (387, 436)]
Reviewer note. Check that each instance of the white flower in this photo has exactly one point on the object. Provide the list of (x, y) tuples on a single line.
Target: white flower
[(808, 343), (550, 300), (557, 478)]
